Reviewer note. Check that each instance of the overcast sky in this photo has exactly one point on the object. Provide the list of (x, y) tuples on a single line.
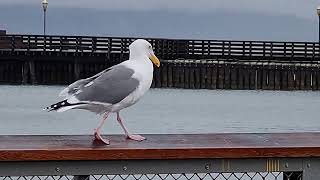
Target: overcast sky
[(299, 8), (281, 20)]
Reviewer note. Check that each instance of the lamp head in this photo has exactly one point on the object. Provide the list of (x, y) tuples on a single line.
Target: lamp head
[(45, 4)]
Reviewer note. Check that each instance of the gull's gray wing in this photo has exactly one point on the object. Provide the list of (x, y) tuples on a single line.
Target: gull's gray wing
[(111, 86), (76, 86)]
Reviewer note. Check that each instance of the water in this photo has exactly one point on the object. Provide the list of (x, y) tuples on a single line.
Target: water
[(165, 111)]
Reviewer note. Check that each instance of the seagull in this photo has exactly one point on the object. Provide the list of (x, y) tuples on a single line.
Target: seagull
[(113, 89)]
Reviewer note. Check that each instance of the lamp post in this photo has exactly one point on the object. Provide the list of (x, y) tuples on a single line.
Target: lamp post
[(318, 12), (44, 6)]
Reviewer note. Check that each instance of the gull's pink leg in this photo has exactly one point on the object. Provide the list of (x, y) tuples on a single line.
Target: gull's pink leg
[(135, 137), (97, 134)]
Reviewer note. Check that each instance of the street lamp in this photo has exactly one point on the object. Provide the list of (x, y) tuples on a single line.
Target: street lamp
[(44, 6), (318, 12)]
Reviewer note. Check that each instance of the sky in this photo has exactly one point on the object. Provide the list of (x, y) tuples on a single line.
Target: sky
[(299, 8), (281, 20)]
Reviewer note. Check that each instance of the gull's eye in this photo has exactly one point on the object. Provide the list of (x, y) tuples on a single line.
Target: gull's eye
[(150, 47)]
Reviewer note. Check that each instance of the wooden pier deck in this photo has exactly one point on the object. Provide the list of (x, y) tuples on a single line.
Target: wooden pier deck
[(190, 64)]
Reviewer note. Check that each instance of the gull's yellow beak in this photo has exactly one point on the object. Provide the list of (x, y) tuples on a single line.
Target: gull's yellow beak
[(155, 60)]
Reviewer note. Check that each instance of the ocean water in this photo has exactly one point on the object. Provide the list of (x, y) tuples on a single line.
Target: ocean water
[(165, 111)]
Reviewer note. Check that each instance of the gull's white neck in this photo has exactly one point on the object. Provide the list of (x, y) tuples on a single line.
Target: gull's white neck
[(137, 55)]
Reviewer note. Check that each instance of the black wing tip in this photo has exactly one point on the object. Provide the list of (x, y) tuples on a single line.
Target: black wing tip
[(48, 109), (56, 106)]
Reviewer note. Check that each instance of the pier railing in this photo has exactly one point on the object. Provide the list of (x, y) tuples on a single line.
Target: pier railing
[(284, 156), (164, 48)]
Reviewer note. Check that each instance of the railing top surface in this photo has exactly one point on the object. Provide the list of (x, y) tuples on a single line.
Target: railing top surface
[(173, 146)]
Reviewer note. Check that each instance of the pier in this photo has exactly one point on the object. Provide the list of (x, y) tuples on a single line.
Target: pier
[(190, 64), (285, 156)]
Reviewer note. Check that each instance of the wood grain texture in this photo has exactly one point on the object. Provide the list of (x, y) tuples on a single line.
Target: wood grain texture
[(174, 146)]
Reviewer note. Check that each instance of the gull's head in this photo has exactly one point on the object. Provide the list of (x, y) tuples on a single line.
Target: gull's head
[(141, 48)]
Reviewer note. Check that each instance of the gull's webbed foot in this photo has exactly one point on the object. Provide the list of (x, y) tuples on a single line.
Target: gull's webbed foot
[(136, 137), (97, 136)]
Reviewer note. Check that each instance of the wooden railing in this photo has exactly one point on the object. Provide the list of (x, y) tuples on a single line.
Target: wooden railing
[(206, 156), (164, 48)]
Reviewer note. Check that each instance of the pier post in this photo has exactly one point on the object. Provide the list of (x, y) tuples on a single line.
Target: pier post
[(29, 72), (76, 70), (234, 77), (25, 73), (170, 81), (186, 75), (164, 75), (32, 72)]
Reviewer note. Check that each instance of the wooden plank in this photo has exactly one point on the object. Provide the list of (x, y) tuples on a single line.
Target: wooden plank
[(159, 146)]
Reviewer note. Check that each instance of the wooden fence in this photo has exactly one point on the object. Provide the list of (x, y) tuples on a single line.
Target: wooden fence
[(164, 48)]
